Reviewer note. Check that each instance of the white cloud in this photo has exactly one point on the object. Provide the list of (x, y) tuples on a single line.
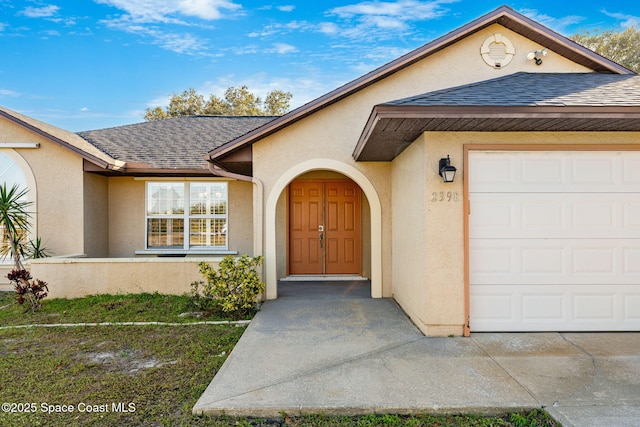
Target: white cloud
[(403, 10), (143, 17), (150, 11), (5, 93), (183, 43), (40, 12), (274, 29), (283, 48), (49, 13), (378, 18), (206, 9), (328, 28), (368, 19), (558, 24), (627, 20), (287, 8), (180, 43)]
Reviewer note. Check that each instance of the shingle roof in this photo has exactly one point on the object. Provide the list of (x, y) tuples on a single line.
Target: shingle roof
[(521, 102), (173, 143), (537, 89)]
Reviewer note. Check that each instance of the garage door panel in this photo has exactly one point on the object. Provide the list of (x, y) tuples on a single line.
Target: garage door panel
[(553, 261), (573, 215), (592, 307), (631, 259), (554, 241), (631, 170), (559, 308), (631, 308), (589, 169), (554, 172)]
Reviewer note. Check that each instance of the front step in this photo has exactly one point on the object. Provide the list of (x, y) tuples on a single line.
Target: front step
[(322, 278)]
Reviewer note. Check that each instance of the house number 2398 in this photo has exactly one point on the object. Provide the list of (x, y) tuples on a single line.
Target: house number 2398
[(445, 196)]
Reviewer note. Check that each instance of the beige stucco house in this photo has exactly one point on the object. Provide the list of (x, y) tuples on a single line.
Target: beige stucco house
[(539, 230)]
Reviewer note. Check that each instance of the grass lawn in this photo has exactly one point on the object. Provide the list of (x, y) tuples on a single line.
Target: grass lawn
[(140, 375)]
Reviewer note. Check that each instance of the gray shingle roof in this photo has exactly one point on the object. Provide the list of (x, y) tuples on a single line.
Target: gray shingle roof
[(537, 89), (173, 143)]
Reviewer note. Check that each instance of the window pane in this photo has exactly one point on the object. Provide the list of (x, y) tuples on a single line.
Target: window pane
[(208, 232), (163, 232), (219, 198), (11, 174), (208, 198), (199, 198), (165, 198)]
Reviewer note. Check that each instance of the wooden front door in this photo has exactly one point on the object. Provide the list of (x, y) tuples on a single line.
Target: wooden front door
[(325, 234)]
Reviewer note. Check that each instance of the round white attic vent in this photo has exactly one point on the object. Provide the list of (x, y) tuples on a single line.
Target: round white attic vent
[(497, 51)]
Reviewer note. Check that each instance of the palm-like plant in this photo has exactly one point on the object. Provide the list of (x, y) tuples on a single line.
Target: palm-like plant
[(14, 222)]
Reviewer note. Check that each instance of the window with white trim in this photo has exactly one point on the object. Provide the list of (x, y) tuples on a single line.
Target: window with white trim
[(187, 215)]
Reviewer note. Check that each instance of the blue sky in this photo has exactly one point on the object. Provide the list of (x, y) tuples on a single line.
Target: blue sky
[(91, 64)]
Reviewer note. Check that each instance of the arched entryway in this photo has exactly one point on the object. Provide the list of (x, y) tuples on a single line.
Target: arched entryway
[(319, 173)]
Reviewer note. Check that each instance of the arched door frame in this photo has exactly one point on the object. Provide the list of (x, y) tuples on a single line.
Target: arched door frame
[(270, 220)]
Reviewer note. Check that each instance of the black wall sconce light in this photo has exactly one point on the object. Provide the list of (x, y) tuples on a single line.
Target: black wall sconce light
[(447, 172)]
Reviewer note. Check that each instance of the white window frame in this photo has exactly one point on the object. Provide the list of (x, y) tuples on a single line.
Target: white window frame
[(187, 217)]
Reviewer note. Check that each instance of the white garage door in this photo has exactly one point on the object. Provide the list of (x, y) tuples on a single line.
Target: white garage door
[(554, 241)]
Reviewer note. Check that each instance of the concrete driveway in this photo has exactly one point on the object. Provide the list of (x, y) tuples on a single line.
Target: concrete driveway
[(329, 348)]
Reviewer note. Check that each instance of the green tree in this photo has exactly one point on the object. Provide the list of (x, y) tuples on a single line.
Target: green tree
[(236, 102), (277, 102), (622, 47)]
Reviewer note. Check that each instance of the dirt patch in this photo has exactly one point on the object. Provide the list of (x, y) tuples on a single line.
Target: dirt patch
[(124, 361)]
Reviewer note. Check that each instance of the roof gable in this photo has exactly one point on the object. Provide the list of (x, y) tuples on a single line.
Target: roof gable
[(504, 16), (66, 139)]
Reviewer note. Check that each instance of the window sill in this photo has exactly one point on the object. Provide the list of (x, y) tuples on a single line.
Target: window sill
[(182, 252)]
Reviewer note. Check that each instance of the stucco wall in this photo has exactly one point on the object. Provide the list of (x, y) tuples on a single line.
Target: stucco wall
[(58, 210), (241, 217), (332, 133), (409, 239), (96, 216), (72, 278), (127, 216)]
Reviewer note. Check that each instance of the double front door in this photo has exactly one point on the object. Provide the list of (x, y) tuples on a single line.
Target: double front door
[(325, 235)]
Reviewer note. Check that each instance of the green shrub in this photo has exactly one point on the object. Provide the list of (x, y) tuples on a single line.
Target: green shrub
[(232, 289)]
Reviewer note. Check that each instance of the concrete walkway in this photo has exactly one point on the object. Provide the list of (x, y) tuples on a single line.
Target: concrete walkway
[(329, 348)]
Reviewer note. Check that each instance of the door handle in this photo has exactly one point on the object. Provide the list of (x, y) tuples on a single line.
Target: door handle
[(321, 237)]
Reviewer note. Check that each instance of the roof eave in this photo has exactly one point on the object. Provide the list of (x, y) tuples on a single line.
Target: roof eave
[(386, 112)]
